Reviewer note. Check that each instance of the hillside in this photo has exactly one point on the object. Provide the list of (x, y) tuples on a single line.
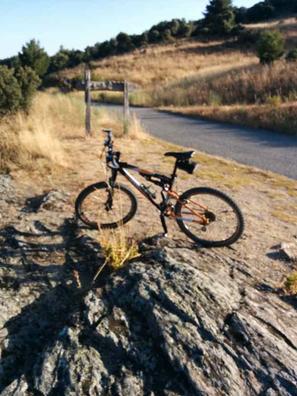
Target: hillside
[(210, 74)]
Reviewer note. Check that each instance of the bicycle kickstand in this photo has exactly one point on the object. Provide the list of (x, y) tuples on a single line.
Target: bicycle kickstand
[(164, 225)]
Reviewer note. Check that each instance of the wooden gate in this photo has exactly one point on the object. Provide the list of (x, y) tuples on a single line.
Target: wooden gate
[(115, 86)]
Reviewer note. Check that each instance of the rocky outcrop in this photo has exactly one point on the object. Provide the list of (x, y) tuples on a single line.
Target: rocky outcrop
[(179, 321)]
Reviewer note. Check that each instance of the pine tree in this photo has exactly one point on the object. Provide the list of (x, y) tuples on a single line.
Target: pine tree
[(219, 17), (34, 56)]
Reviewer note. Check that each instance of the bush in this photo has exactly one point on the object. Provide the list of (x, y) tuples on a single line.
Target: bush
[(271, 46), (28, 82), (17, 88), (10, 91), (292, 55)]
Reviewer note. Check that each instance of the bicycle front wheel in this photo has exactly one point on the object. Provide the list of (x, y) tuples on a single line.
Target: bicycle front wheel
[(209, 217), (100, 206)]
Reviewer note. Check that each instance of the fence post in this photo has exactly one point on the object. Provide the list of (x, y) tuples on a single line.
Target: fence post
[(126, 107), (88, 100)]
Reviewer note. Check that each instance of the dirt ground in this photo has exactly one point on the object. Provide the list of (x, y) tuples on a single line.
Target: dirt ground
[(268, 201)]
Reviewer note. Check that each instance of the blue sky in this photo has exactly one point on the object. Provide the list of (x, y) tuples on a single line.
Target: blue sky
[(78, 23)]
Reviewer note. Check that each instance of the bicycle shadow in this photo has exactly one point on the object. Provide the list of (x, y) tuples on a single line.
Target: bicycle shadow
[(28, 264), (41, 324)]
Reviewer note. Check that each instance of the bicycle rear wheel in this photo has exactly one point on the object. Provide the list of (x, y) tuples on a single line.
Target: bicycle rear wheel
[(209, 217), (99, 206)]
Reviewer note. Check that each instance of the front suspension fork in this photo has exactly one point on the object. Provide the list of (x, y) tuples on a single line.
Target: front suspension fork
[(163, 221)]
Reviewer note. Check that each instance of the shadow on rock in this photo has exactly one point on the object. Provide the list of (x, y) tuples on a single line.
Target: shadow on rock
[(37, 282)]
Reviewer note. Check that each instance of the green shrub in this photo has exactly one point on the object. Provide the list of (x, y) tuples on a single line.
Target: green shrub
[(10, 91), (28, 82), (291, 283), (17, 88), (292, 55), (271, 46)]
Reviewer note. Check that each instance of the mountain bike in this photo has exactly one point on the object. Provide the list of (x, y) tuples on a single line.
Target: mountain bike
[(207, 216)]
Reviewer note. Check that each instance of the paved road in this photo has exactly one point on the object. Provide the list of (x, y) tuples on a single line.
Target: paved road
[(263, 149)]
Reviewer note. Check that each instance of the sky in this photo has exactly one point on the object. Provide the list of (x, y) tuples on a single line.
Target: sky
[(79, 23)]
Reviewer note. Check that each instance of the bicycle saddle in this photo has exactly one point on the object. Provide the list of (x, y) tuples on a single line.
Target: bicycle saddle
[(181, 156)]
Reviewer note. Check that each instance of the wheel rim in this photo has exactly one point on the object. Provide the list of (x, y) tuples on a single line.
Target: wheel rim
[(105, 206), (209, 218)]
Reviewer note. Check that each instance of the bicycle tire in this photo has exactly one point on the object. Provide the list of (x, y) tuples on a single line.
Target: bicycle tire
[(88, 191), (203, 192)]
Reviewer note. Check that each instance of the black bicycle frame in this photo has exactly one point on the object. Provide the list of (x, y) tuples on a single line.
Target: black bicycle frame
[(155, 178)]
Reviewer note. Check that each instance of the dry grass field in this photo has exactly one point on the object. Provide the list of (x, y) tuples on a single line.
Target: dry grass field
[(38, 141), (209, 74), (162, 64)]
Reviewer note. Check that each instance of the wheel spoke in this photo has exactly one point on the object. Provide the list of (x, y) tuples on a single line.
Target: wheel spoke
[(96, 209), (209, 216)]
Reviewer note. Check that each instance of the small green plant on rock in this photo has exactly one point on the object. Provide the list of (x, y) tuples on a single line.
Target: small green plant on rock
[(291, 283)]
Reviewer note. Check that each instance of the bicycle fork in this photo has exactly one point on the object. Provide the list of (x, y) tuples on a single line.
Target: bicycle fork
[(163, 221)]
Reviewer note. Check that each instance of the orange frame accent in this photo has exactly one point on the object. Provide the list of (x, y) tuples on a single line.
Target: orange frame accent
[(174, 195)]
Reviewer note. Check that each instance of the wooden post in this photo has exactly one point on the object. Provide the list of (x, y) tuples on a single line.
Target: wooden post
[(126, 107), (88, 100)]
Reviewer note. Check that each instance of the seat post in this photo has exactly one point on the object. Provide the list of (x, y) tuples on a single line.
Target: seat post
[(173, 176)]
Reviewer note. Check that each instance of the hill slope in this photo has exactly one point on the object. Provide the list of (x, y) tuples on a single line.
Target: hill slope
[(208, 73)]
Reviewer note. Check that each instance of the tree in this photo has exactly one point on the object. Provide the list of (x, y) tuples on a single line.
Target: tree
[(166, 36), (10, 91), (34, 56), (139, 40), (185, 29), (124, 43), (59, 61), (219, 17), (240, 14), (154, 36), (260, 12), (271, 46)]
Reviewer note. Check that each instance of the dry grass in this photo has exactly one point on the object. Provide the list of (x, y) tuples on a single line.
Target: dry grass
[(212, 73), (38, 141), (288, 27), (31, 142), (162, 64), (118, 248), (255, 84), (278, 117)]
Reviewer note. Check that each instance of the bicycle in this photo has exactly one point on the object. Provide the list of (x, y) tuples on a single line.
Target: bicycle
[(206, 215)]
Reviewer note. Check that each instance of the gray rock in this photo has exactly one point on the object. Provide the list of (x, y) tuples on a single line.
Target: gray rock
[(177, 322)]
